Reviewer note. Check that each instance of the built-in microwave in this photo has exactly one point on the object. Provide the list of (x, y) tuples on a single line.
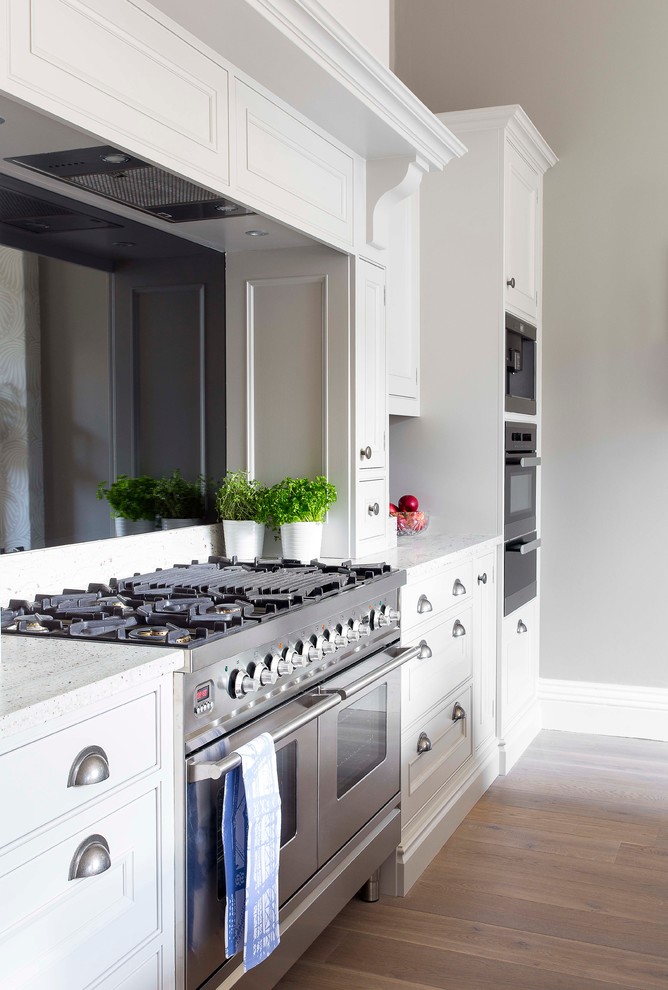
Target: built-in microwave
[(520, 366)]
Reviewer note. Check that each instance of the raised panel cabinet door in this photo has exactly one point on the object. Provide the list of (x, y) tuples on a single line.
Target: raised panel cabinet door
[(371, 371), (113, 69), (484, 648), (521, 233)]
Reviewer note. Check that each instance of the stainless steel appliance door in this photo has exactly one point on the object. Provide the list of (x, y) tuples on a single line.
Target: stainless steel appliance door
[(296, 758), (520, 496), (520, 564), (359, 759)]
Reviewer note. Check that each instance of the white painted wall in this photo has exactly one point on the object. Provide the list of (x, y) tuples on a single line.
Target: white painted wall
[(593, 76), (367, 20)]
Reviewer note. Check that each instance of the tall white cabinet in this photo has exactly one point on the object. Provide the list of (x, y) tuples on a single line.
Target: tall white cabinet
[(480, 257)]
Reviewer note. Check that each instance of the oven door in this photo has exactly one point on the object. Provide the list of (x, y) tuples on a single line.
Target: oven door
[(520, 495), (296, 760), (358, 752), (520, 568)]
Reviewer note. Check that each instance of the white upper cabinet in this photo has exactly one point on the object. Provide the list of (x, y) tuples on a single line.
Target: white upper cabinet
[(522, 206), (118, 72), (371, 368), (403, 308)]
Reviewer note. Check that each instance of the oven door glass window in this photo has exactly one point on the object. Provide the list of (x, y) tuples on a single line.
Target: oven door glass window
[(361, 739), (520, 514)]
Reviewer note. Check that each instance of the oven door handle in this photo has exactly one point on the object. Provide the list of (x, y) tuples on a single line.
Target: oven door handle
[(523, 547), (524, 462), (214, 771), (364, 682)]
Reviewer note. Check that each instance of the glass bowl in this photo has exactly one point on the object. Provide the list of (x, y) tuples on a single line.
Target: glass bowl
[(411, 523)]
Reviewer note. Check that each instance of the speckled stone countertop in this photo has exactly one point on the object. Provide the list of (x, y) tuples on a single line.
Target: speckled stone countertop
[(41, 680), (423, 554)]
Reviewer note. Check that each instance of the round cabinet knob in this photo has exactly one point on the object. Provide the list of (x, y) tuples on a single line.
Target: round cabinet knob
[(424, 605), (521, 628), (279, 665), (91, 857), (241, 684), (262, 675), (482, 579), (366, 452), (425, 651), (458, 713), (373, 509), (458, 629), (423, 743), (458, 588), (90, 766), (510, 283)]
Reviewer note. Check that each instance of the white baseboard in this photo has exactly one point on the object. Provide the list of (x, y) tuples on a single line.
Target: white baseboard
[(605, 709)]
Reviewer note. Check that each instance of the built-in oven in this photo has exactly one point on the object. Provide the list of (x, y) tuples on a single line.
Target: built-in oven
[(521, 473), (520, 366), (520, 572), (338, 762)]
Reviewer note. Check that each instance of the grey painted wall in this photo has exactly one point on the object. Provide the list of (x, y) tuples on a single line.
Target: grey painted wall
[(593, 76), (74, 304)]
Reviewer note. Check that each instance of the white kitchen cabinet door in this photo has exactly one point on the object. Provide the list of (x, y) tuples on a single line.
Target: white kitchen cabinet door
[(113, 69), (371, 368), (484, 649), (522, 201), (519, 675), (403, 308)]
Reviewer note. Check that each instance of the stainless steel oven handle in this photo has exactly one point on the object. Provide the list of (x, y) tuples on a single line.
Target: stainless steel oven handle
[(364, 682), (214, 771), (523, 461), (523, 547)]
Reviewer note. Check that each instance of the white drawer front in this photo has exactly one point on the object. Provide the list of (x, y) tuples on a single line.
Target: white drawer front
[(451, 744), (425, 601), (61, 933), (520, 660), (371, 494), (127, 73), (284, 163), (426, 682), (39, 772)]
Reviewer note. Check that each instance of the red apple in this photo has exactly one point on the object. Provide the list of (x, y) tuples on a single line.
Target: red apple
[(408, 503), (393, 509)]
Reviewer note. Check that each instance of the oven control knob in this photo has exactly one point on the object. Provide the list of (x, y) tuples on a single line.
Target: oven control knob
[(241, 684), (312, 652), (365, 626), (325, 645), (340, 637), (279, 665), (263, 675), (388, 616), (296, 659), (352, 631)]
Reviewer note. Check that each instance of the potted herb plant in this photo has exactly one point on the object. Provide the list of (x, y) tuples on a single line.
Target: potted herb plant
[(241, 506), (132, 502), (297, 506), (179, 502)]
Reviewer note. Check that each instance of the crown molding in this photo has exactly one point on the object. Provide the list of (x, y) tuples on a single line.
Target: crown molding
[(511, 118)]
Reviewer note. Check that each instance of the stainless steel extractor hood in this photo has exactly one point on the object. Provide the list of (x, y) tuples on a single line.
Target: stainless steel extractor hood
[(124, 179)]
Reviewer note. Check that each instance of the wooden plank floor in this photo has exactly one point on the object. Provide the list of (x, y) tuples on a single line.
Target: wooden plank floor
[(557, 880)]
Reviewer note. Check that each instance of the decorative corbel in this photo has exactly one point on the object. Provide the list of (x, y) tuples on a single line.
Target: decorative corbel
[(388, 182)]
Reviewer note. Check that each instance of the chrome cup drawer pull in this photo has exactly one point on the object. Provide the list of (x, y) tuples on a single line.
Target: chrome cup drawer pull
[(90, 766), (425, 650), (91, 858), (424, 605), (458, 713), (458, 588), (423, 743), (458, 629), (521, 628)]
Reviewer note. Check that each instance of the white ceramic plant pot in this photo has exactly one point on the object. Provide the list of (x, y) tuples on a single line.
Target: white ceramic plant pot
[(131, 527), (178, 523), (243, 539), (301, 540)]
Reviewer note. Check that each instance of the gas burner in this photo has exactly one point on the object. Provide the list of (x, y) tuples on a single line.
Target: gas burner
[(226, 612), (36, 625), (172, 636)]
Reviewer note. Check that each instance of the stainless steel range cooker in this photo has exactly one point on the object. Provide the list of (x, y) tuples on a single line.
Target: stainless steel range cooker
[(308, 653)]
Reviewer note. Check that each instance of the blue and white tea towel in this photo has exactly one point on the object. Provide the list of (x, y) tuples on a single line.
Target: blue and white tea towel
[(251, 847)]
